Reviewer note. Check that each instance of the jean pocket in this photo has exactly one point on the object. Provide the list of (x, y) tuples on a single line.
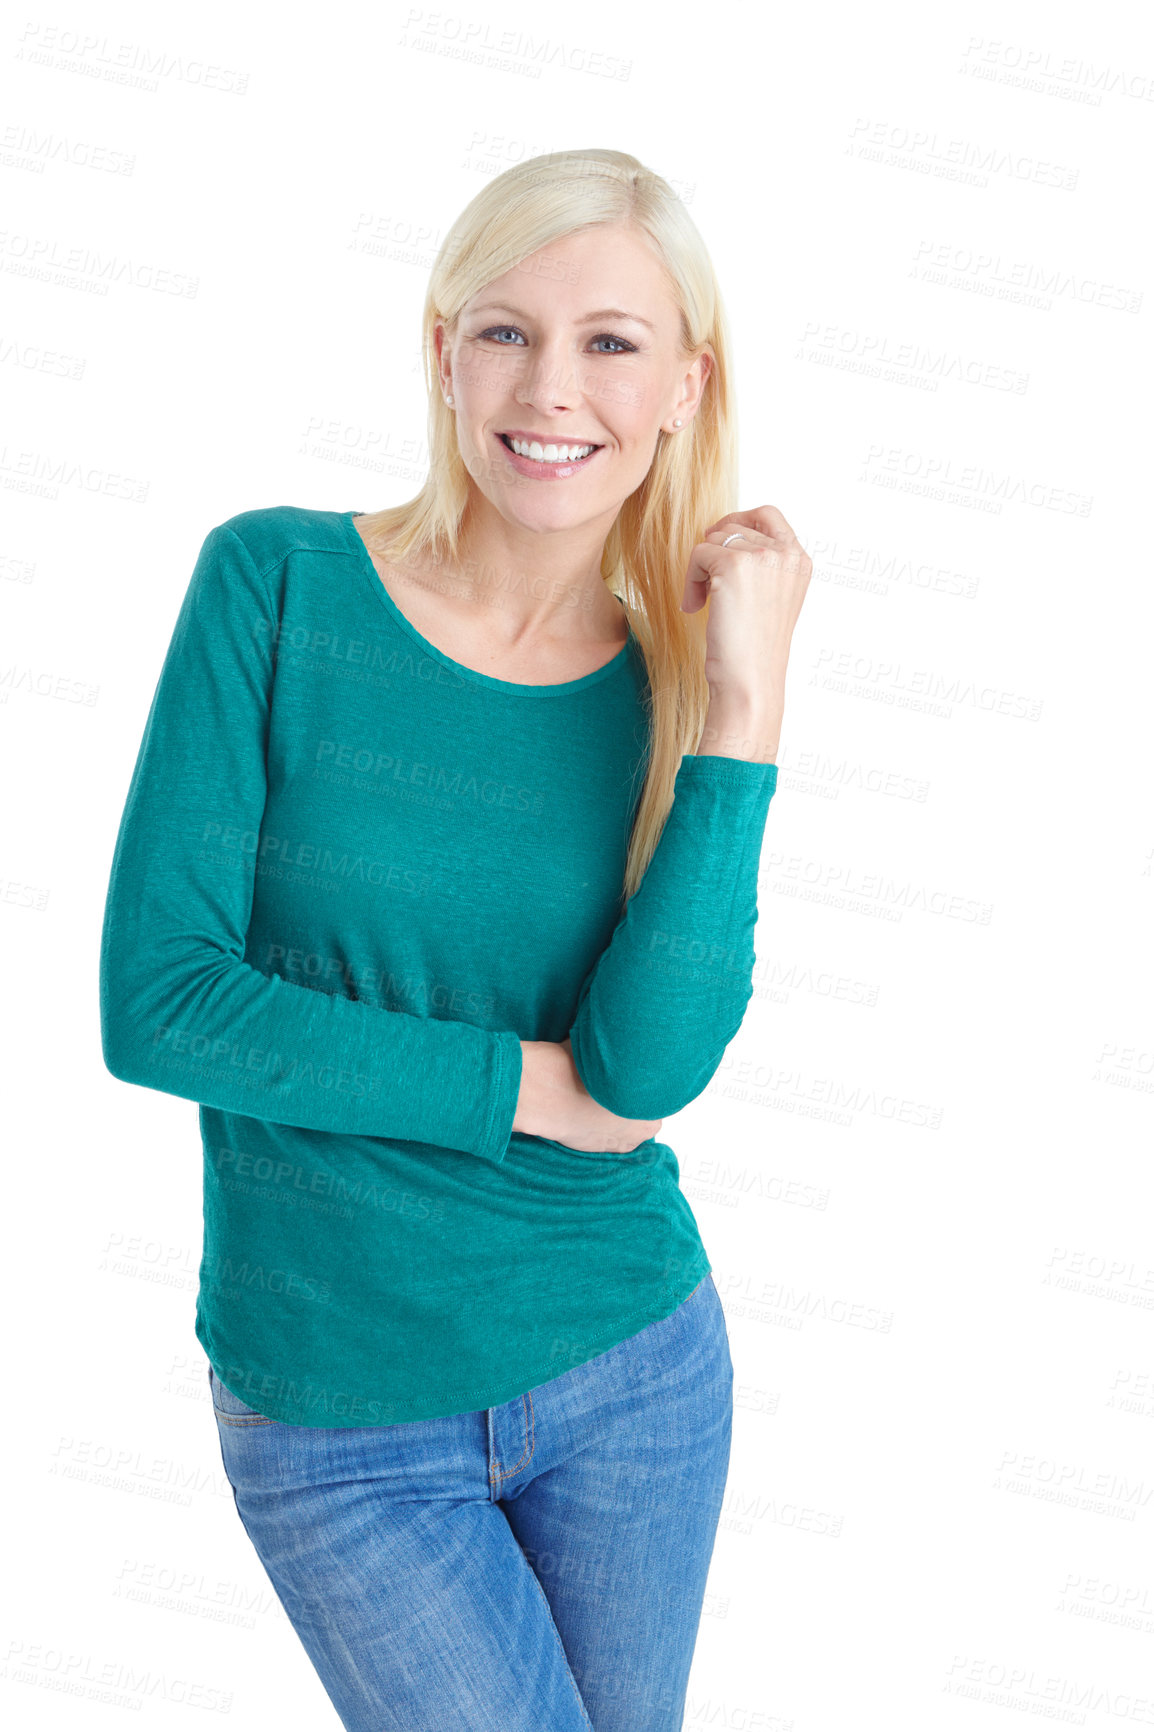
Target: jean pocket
[(230, 1409)]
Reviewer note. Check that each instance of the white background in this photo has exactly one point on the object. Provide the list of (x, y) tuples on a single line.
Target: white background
[(922, 1172)]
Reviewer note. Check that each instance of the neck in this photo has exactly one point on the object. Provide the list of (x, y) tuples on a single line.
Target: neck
[(546, 582)]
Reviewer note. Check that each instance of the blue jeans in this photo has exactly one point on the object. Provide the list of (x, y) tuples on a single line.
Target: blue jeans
[(534, 1567)]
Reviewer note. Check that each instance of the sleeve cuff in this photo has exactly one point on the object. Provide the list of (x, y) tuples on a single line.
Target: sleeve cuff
[(729, 772), (507, 1088)]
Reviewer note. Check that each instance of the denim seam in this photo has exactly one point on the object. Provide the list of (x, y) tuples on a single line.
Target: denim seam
[(530, 1446), (252, 1418), (560, 1645)]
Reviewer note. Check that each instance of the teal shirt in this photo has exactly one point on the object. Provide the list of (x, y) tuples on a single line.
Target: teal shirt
[(351, 876)]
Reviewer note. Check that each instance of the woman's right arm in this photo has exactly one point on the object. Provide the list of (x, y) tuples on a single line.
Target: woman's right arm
[(180, 1008)]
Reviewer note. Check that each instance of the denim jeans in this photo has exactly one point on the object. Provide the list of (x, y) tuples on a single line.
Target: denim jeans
[(534, 1567)]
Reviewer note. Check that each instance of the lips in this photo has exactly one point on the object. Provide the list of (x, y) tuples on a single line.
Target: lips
[(557, 472)]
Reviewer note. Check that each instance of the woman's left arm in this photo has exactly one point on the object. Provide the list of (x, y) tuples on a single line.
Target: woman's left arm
[(669, 992)]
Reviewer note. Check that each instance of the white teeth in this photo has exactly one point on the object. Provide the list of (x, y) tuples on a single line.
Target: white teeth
[(549, 453)]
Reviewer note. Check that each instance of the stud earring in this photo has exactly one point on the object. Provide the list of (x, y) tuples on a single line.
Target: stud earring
[(449, 401), (677, 423)]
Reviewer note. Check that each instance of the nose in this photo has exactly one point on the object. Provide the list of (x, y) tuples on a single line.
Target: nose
[(550, 382)]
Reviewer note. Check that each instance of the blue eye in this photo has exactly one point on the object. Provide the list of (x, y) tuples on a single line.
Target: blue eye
[(626, 347)]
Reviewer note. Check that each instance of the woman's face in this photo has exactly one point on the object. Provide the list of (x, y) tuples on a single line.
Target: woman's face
[(537, 356)]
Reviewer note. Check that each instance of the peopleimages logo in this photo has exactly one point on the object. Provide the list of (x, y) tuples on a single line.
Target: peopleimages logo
[(436, 778), (281, 857), (226, 1277)]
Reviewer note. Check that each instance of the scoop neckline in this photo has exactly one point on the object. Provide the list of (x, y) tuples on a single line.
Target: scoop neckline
[(369, 570)]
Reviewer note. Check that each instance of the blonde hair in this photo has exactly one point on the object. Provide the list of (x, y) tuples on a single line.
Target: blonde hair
[(692, 480)]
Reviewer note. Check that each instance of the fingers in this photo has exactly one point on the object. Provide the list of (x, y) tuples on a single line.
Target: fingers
[(750, 537), (765, 532), (764, 520), (765, 529), (772, 522)]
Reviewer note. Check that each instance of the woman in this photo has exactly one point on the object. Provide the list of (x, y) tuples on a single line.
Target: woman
[(436, 888)]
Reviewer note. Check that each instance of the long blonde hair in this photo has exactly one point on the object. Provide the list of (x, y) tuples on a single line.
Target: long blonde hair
[(692, 480)]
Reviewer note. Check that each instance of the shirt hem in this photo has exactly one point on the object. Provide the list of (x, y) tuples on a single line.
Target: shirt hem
[(477, 1400)]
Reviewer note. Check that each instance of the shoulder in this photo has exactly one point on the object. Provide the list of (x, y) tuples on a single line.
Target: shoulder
[(270, 533)]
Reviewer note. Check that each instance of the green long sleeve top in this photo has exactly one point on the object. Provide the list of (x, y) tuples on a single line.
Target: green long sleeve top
[(351, 876)]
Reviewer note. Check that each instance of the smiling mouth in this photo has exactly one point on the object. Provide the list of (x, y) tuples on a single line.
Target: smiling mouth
[(568, 462)]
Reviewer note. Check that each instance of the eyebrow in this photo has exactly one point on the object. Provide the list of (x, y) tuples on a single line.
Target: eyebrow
[(604, 313)]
